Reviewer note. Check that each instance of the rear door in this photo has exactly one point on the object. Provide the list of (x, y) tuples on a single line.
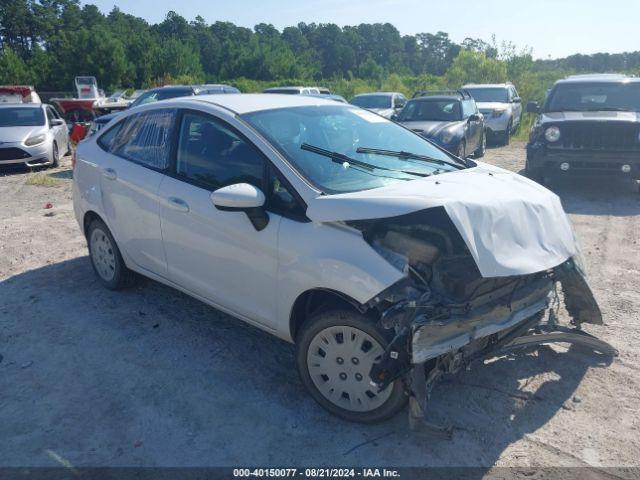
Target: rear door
[(137, 154), (213, 253)]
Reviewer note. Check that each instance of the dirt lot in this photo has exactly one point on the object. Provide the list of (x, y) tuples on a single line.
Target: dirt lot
[(152, 377)]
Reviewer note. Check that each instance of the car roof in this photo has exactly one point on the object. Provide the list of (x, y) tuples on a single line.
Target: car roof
[(599, 78), (386, 94), (253, 102), (23, 105), (487, 85), (437, 97)]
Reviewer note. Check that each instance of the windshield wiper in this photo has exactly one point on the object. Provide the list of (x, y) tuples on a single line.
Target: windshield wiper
[(341, 158), (414, 156), (610, 109)]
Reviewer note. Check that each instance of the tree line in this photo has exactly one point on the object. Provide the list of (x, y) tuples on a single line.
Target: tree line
[(49, 42)]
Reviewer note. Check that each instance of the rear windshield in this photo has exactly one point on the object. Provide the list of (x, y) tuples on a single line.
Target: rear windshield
[(489, 95), (21, 117), (589, 97), (372, 101)]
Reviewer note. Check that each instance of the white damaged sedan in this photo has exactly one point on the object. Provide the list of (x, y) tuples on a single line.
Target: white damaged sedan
[(385, 259)]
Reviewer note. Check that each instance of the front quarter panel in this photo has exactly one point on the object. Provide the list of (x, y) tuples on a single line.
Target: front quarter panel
[(327, 256)]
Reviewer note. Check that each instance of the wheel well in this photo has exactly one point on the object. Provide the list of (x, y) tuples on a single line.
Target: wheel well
[(318, 300), (89, 217)]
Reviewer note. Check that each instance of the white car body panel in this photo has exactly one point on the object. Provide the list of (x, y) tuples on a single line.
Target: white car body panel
[(529, 231), (218, 256)]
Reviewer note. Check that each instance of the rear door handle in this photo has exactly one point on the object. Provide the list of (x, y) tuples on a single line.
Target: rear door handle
[(178, 204), (109, 173)]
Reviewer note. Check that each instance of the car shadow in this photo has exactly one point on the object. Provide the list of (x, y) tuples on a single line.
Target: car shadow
[(63, 174), (596, 195), (153, 364)]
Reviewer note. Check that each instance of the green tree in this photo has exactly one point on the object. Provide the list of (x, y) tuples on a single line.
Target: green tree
[(474, 67)]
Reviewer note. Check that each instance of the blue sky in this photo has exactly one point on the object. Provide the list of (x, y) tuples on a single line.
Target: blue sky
[(553, 28)]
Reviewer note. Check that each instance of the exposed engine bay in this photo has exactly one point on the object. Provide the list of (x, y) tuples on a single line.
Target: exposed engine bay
[(445, 315)]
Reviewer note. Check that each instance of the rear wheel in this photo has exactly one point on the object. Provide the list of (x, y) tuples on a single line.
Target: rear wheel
[(335, 351), (106, 259), (479, 153)]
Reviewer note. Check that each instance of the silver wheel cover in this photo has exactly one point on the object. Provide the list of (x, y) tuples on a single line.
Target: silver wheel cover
[(339, 360), (103, 255)]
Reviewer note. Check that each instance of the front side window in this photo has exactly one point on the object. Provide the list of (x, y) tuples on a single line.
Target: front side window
[(468, 108), (584, 97), (431, 110), (344, 130), (213, 155), (144, 138), (21, 117)]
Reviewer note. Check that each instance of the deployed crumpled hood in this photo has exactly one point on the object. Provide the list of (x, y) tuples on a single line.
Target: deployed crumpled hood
[(590, 116), (19, 134), (428, 129), (511, 225)]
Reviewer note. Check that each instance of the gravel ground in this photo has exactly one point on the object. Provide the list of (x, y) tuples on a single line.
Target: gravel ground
[(152, 377)]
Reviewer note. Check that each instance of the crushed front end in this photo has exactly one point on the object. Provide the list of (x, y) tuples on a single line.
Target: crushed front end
[(445, 314)]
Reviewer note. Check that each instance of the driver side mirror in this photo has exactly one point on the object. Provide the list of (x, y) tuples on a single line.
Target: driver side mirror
[(242, 197), (516, 100), (533, 107), (56, 122), (475, 117)]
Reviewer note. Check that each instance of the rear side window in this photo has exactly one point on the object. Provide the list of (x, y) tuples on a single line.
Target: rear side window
[(212, 154), (144, 138)]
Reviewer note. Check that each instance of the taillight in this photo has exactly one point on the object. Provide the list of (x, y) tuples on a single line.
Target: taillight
[(73, 158)]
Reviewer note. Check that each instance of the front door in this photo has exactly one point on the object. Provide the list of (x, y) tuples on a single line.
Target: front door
[(217, 254)]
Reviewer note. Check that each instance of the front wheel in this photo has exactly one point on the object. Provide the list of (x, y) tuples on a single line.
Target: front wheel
[(55, 155), (335, 351), (506, 138)]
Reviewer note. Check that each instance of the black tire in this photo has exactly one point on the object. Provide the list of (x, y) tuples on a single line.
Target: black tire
[(479, 153), (533, 173), (462, 150), (506, 137), (122, 276), (55, 155), (338, 318)]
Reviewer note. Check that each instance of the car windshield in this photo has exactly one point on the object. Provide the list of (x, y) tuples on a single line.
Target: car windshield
[(489, 95), (151, 97), (431, 110), (336, 132), (372, 101), (581, 97), (21, 117)]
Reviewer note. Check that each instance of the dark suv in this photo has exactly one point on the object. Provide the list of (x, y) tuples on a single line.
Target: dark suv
[(165, 93), (449, 119), (588, 124)]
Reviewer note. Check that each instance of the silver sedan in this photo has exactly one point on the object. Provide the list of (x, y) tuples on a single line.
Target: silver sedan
[(32, 134)]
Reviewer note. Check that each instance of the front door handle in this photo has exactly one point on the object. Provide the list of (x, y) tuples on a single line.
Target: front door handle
[(109, 173), (178, 204)]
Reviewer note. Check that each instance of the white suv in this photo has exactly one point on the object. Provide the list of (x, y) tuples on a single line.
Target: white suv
[(501, 106), (383, 257)]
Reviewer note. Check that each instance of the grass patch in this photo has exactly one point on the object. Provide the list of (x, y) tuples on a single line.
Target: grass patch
[(41, 179)]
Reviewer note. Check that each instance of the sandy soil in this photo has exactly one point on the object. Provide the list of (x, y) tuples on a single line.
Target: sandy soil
[(152, 377)]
